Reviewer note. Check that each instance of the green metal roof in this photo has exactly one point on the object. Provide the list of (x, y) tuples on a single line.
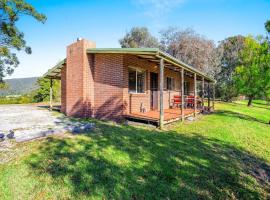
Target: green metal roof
[(155, 52), (123, 50), (55, 72)]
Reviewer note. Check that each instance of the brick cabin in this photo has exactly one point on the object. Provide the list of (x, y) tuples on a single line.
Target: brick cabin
[(125, 82)]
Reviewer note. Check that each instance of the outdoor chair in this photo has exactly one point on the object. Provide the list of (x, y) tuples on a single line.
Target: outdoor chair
[(190, 101), (176, 101)]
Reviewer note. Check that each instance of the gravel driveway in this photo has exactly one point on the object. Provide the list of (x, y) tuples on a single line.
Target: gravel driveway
[(26, 122)]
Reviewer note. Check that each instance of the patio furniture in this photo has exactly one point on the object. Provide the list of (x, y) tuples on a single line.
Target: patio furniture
[(190, 101), (176, 101)]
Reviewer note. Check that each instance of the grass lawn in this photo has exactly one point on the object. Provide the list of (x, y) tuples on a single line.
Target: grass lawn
[(225, 155)]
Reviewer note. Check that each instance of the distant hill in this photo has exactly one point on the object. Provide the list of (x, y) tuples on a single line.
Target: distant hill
[(19, 86)]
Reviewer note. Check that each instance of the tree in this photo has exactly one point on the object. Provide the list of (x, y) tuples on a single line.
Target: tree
[(267, 26), (191, 48), (267, 96), (43, 92), (11, 38), (253, 74), (3, 86), (138, 37), (229, 49)]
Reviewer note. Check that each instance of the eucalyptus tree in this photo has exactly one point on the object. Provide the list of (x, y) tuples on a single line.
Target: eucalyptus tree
[(191, 48), (138, 37), (11, 38), (230, 49)]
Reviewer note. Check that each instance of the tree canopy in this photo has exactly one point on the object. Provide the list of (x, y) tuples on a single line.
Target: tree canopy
[(43, 92), (186, 45), (3, 86), (253, 74), (267, 26), (229, 49), (138, 37), (227, 62), (11, 38), (191, 48)]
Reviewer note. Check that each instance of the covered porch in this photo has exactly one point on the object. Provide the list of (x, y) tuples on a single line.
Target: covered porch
[(172, 104)]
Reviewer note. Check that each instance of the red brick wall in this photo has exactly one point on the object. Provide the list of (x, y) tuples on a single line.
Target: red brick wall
[(89, 85), (109, 82), (78, 80), (63, 89)]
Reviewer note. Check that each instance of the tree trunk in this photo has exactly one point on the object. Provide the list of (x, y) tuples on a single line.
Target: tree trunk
[(250, 101)]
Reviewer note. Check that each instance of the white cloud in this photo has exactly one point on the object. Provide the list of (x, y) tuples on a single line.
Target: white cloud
[(157, 8)]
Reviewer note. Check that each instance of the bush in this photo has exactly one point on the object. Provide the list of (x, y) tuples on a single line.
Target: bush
[(16, 99), (43, 92)]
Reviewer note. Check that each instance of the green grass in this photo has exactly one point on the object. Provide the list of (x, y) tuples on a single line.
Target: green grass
[(225, 155)]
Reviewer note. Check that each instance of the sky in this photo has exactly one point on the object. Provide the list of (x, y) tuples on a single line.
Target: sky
[(106, 21)]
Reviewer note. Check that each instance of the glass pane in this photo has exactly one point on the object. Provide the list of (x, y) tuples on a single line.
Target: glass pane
[(165, 81), (168, 83), (140, 82), (131, 80), (186, 88)]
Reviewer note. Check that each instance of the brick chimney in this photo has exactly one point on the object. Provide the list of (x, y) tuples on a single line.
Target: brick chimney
[(77, 80)]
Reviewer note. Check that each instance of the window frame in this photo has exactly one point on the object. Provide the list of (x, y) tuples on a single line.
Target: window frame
[(172, 83), (137, 69), (186, 88)]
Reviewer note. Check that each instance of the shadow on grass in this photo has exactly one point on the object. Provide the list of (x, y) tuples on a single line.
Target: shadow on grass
[(265, 104), (125, 162), (239, 116), (256, 105), (260, 105)]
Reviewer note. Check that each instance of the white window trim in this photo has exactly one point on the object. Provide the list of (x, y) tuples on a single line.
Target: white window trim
[(138, 69)]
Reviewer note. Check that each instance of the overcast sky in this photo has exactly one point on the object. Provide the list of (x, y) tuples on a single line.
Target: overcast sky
[(106, 21)]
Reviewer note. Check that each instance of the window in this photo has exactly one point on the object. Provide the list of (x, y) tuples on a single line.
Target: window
[(186, 88), (170, 83), (136, 80)]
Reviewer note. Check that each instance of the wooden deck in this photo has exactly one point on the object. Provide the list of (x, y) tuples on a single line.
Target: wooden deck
[(170, 115)]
